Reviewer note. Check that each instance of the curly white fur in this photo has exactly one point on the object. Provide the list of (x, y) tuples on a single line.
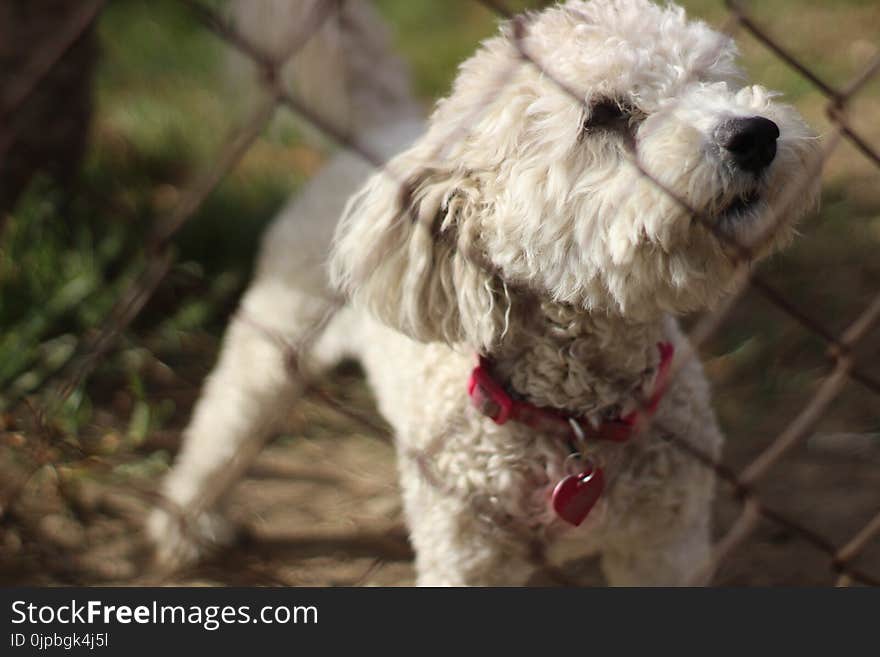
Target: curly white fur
[(526, 232)]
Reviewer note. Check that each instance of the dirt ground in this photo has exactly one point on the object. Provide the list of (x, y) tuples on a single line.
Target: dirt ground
[(320, 507)]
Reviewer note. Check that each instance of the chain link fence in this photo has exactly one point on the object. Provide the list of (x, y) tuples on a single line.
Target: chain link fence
[(740, 485)]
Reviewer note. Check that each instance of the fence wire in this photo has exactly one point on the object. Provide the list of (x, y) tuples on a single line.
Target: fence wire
[(844, 366)]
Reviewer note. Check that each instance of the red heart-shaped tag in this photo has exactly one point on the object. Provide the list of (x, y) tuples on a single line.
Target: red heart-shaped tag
[(575, 496)]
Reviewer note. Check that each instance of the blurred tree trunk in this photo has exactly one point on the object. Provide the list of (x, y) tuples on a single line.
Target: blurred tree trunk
[(47, 58)]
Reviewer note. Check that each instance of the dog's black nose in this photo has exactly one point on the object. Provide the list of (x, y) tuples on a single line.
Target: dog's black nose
[(750, 141)]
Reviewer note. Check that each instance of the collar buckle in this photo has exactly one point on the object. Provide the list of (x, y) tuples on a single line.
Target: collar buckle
[(488, 396)]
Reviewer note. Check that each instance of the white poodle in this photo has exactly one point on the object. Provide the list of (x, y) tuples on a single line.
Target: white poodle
[(511, 280)]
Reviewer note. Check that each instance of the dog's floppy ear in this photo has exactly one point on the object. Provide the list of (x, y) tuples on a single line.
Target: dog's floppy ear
[(406, 249)]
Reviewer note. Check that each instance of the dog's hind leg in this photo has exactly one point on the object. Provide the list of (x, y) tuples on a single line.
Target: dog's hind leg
[(282, 313)]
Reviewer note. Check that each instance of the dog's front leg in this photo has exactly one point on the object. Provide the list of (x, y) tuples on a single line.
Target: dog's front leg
[(679, 556), (455, 543)]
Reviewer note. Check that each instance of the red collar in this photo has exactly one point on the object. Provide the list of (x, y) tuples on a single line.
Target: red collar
[(493, 401), (574, 495)]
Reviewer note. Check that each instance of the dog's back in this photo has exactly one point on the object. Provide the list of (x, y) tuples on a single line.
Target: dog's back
[(347, 74)]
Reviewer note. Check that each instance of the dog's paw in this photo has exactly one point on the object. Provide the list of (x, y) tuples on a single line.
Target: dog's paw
[(176, 544)]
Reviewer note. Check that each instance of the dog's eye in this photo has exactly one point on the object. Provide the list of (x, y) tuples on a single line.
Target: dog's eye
[(605, 112), (611, 113)]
